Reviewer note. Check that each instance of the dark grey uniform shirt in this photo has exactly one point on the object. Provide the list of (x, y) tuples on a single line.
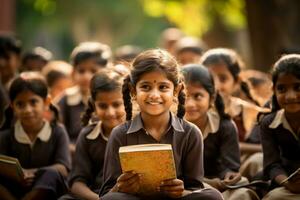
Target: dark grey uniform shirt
[(186, 141), (41, 154), (89, 157), (221, 151), (71, 116), (281, 146)]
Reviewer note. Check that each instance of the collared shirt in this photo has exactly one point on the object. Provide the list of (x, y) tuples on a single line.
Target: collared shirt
[(186, 141), (244, 114), (47, 149), (281, 146), (89, 157), (22, 137), (221, 146), (213, 123), (71, 107)]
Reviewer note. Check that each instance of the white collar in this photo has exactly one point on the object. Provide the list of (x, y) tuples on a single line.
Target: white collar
[(74, 96), (281, 119), (213, 124), (249, 112), (22, 137), (96, 132)]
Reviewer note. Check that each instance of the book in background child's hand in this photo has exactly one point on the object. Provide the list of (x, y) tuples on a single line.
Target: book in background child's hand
[(155, 162), (11, 169)]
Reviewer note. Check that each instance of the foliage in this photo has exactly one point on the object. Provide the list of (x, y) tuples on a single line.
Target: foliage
[(195, 17), (60, 25)]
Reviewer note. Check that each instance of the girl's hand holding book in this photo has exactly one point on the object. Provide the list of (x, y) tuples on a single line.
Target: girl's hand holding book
[(173, 188), (128, 182)]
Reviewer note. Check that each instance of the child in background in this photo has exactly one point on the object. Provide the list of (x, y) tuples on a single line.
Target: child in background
[(107, 103), (168, 39), (59, 77), (155, 83), (189, 50), (225, 66), (36, 59), (40, 146), (260, 85), (10, 58), (205, 108), (87, 58), (280, 130)]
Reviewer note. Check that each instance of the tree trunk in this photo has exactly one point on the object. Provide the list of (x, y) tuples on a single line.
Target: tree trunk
[(274, 29), (7, 15)]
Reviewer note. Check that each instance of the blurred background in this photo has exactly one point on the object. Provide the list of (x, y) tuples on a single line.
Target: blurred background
[(259, 30)]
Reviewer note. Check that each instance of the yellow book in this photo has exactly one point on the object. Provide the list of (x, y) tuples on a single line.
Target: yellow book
[(154, 161), (11, 169)]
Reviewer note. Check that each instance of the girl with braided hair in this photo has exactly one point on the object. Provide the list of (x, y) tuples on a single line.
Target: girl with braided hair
[(155, 85)]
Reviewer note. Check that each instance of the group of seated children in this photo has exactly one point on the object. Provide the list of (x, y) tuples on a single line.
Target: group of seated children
[(214, 132)]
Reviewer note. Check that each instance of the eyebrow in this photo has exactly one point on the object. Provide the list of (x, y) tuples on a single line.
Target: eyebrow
[(148, 82)]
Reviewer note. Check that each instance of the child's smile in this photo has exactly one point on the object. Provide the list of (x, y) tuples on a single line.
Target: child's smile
[(287, 90), (154, 93)]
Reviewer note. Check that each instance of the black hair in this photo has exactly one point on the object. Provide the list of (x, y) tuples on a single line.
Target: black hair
[(9, 44), (232, 61), (53, 76), (101, 53), (288, 64), (190, 44), (127, 53), (102, 81), (38, 53), (27, 81), (198, 74), (149, 61)]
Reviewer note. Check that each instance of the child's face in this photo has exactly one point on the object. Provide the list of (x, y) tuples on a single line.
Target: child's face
[(187, 57), (224, 81), (9, 67), (154, 93), (84, 72), (287, 91), (60, 86), (29, 108), (110, 108), (197, 102)]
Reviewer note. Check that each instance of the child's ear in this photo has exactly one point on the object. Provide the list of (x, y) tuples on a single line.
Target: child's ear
[(212, 100)]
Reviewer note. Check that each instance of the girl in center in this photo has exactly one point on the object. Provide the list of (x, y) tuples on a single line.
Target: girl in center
[(154, 83)]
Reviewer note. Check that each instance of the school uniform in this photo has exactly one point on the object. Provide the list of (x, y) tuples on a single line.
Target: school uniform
[(281, 149), (221, 147), (222, 154), (89, 159), (186, 141), (244, 114), (72, 105), (50, 147)]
